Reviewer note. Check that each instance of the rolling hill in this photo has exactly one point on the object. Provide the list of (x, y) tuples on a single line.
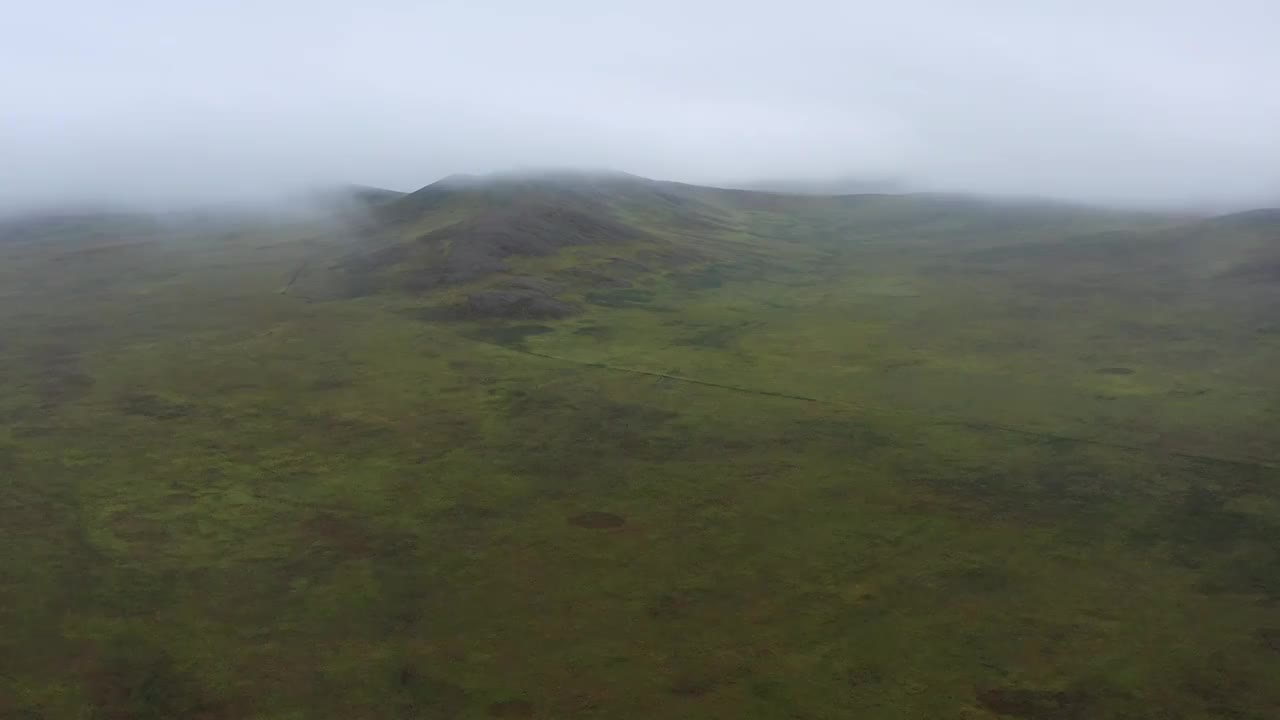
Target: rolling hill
[(583, 444)]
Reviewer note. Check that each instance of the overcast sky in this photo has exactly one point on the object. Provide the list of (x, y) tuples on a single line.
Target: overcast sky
[(1117, 100)]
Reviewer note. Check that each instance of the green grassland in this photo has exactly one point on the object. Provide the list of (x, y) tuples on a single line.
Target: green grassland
[(735, 455)]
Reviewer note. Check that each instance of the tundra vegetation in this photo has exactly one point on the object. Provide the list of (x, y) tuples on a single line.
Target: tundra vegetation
[(594, 446)]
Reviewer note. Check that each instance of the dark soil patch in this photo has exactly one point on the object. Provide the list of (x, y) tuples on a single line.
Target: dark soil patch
[(511, 709), (1115, 371), (596, 520), (1035, 704), (668, 606)]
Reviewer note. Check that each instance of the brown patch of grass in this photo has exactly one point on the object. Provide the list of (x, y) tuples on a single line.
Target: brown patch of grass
[(596, 520), (59, 386), (1034, 704), (337, 532), (137, 530), (139, 685), (150, 405), (864, 676), (511, 709), (324, 384), (429, 697), (333, 535), (671, 605), (59, 379), (692, 685), (1268, 638)]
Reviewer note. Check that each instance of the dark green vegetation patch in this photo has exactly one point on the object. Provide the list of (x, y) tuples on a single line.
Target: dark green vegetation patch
[(1115, 371)]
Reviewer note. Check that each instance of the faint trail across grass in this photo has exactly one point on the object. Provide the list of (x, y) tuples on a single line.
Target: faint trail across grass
[(1260, 463), (293, 276)]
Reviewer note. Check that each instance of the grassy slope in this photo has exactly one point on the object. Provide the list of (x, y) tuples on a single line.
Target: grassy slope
[(224, 501)]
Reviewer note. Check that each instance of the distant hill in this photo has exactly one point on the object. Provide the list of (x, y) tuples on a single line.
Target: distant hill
[(1235, 247), (350, 202), (75, 225), (833, 186), (372, 195), (533, 244)]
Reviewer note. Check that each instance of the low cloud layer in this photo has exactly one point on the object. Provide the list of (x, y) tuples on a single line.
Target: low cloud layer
[(1126, 101)]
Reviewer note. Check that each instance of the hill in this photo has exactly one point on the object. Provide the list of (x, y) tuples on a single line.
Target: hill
[(833, 186), (77, 225), (584, 444), (466, 229)]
